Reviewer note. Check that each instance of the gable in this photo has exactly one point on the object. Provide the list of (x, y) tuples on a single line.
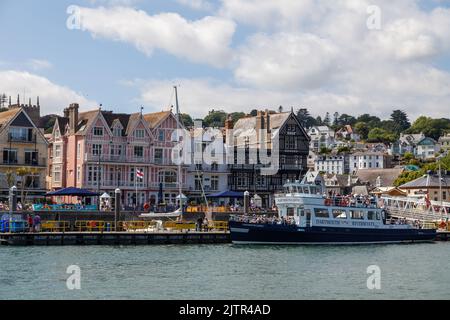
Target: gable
[(22, 121)]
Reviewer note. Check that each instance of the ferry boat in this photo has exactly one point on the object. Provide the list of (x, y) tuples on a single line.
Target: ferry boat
[(306, 216)]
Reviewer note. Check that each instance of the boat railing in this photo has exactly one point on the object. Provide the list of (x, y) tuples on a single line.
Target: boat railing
[(256, 219), (351, 201)]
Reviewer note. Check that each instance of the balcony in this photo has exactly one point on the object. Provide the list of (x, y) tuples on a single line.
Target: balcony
[(112, 184), (115, 158), (21, 139), (42, 162)]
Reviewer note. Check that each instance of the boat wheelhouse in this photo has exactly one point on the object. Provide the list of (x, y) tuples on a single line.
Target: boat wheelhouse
[(306, 215)]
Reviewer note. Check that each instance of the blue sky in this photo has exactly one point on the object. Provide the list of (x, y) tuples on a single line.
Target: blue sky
[(234, 55)]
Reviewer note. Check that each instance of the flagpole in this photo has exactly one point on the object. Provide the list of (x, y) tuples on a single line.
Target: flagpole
[(135, 186)]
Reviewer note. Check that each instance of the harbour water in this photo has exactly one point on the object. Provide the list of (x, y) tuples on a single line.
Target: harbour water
[(418, 271)]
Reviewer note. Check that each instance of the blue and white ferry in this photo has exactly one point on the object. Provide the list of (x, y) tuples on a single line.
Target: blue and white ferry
[(306, 216)]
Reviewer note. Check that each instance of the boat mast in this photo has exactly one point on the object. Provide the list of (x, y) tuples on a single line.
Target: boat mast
[(178, 117)]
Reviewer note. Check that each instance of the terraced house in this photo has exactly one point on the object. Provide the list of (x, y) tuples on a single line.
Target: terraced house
[(24, 152), (101, 151)]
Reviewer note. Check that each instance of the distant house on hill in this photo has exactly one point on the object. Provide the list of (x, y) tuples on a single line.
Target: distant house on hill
[(347, 133), (427, 148), (444, 142), (321, 137), (429, 185), (378, 178)]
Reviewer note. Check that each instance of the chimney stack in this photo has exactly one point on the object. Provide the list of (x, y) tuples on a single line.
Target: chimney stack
[(229, 123), (267, 120), (73, 117)]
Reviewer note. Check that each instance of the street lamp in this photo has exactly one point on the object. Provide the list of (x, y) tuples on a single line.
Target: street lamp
[(98, 180)]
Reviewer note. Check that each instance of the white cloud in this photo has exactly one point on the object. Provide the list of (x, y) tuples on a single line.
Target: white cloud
[(53, 97), (38, 64), (202, 41), (267, 13), (286, 60), (197, 4), (358, 96)]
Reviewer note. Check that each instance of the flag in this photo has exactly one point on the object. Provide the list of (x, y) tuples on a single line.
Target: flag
[(139, 174)]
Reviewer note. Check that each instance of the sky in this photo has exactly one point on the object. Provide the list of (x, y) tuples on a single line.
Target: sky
[(345, 56)]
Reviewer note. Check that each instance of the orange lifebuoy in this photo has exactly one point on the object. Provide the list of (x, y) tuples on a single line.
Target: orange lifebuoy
[(443, 225), (146, 206), (327, 202)]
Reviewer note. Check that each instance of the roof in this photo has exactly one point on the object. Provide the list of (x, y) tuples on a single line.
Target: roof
[(426, 141), (368, 153), (411, 138), (62, 122), (427, 181), (342, 179), (444, 138), (245, 127), (362, 190), (385, 176), (7, 116), (153, 119), (128, 121)]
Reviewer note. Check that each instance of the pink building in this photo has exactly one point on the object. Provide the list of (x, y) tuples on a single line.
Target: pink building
[(101, 151)]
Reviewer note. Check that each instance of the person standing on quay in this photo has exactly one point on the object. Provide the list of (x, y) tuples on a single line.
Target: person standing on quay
[(37, 223), (30, 222)]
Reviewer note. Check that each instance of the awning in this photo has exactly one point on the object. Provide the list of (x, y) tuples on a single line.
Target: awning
[(182, 197), (226, 194), (105, 196), (71, 191)]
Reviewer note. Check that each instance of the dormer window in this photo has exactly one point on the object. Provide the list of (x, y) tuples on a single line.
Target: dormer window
[(117, 132), (98, 131), (139, 133)]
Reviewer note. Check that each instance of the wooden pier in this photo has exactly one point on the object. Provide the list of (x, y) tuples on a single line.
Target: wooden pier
[(112, 238)]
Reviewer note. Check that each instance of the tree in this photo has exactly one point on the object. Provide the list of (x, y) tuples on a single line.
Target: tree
[(345, 119), (324, 150), (254, 112), (215, 119), (10, 178), (235, 116), (319, 121), (362, 129), (306, 120), (327, 120), (433, 128), (380, 135), (3, 100), (336, 119), (186, 120), (400, 121), (371, 121), (408, 156), (22, 173)]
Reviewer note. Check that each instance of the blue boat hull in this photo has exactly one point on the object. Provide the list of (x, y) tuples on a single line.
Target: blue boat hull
[(247, 233)]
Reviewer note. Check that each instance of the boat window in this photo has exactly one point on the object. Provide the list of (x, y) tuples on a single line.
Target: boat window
[(356, 214), (313, 190), (321, 213), (372, 215), (290, 212), (339, 214), (378, 216)]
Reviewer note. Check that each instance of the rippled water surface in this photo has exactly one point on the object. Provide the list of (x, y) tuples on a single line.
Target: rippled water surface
[(226, 272)]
